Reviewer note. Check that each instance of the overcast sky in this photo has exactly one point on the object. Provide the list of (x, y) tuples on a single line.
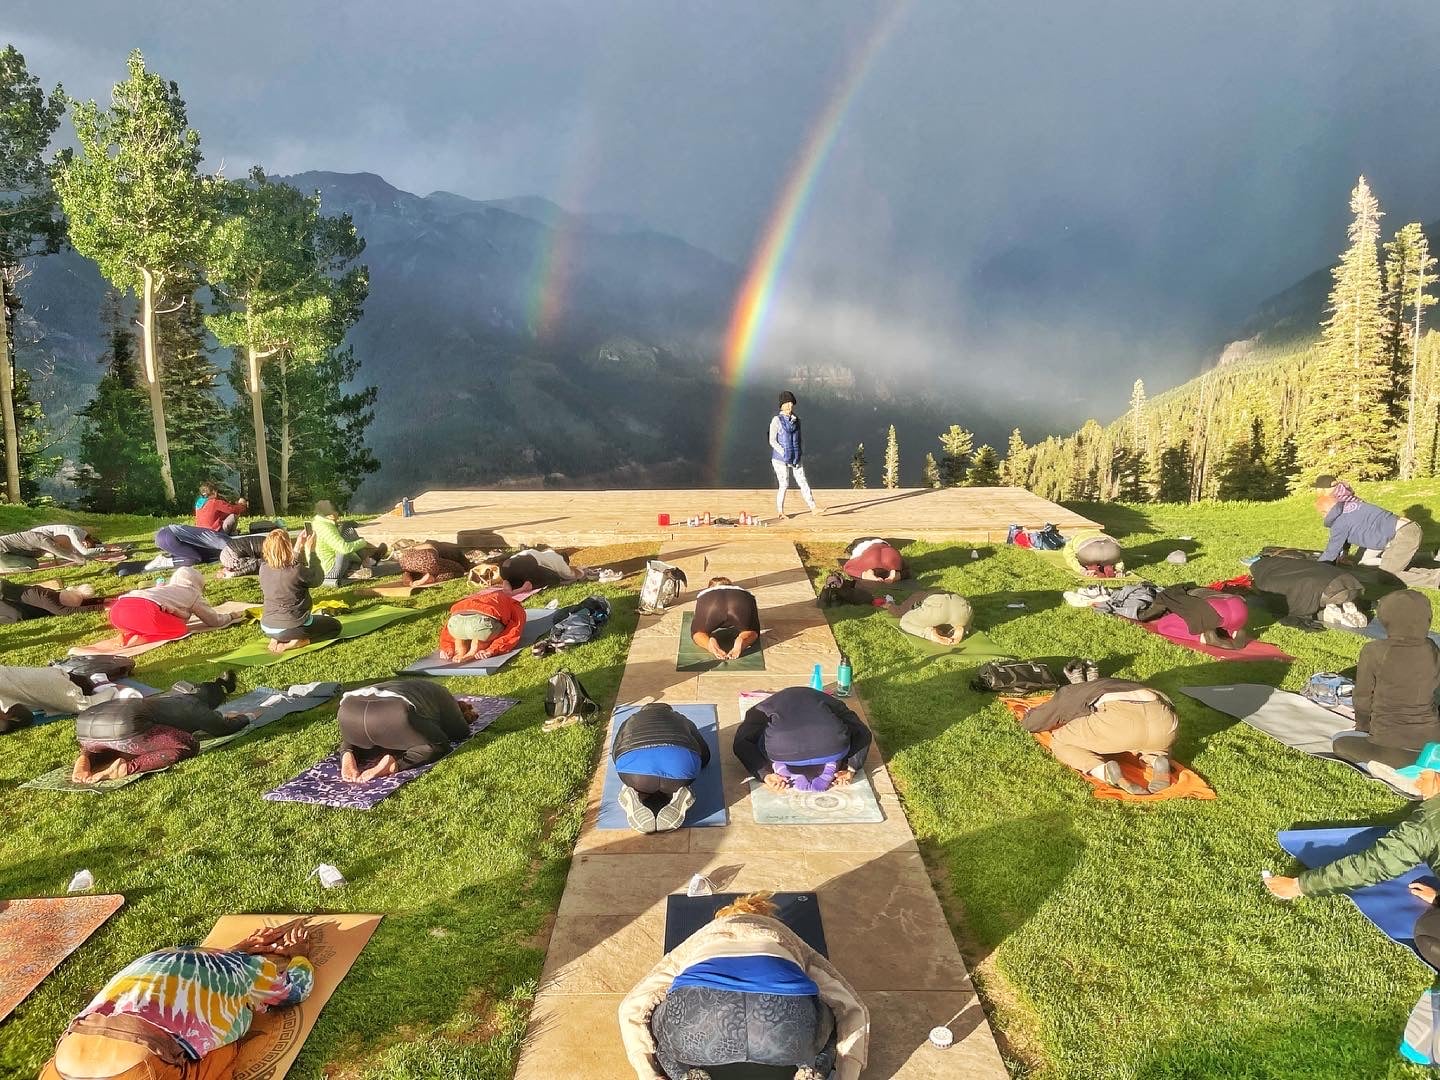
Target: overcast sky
[(1105, 187)]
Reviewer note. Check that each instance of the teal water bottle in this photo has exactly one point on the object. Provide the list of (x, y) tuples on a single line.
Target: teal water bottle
[(843, 677), (817, 679)]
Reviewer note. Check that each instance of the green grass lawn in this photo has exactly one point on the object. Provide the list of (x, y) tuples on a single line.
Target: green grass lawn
[(467, 864), (1112, 940)]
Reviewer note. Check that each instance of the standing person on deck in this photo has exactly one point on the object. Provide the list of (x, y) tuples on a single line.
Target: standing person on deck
[(786, 451)]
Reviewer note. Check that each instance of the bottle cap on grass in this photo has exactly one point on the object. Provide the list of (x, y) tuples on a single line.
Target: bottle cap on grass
[(941, 1038)]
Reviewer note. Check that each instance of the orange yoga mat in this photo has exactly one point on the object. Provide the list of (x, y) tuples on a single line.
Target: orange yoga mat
[(1185, 783), (275, 1038), (37, 935)]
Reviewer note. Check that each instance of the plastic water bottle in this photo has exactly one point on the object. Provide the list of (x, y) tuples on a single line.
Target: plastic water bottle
[(817, 679), (843, 677), (159, 581)]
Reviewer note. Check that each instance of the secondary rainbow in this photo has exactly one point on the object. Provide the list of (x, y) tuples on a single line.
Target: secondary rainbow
[(753, 302)]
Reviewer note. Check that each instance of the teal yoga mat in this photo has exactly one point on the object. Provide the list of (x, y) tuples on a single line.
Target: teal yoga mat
[(256, 653)]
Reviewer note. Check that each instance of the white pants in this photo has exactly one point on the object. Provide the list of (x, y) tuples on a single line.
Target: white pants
[(782, 477)]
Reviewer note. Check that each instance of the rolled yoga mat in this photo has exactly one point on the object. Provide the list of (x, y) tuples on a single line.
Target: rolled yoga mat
[(685, 915), (1388, 905), (708, 788), (693, 658), (537, 624)]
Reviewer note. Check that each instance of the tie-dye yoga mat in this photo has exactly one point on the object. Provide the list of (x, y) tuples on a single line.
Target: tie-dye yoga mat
[(321, 783)]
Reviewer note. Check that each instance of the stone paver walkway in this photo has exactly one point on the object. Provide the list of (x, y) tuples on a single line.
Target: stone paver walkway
[(884, 925)]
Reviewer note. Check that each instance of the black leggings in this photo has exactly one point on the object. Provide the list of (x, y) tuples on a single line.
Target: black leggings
[(321, 628), (389, 725), (726, 612), (1358, 748), (1427, 937)]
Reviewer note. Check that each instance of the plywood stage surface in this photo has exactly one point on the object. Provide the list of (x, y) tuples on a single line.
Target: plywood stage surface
[(511, 518)]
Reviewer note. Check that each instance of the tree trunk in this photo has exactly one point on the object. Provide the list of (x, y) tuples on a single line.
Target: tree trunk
[(1407, 467), (257, 415), (284, 434), (7, 404), (152, 381)]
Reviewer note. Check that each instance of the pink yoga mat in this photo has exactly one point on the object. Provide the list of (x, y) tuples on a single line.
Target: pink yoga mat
[(1254, 649)]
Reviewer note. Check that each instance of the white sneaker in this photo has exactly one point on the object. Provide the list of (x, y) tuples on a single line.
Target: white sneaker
[(1353, 616), (672, 814), (640, 816)]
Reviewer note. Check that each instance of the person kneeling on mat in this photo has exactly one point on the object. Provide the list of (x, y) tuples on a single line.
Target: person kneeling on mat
[(745, 990), (658, 753), (1386, 540), (21, 602), (1395, 685), (1090, 722), (874, 559), (397, 725), (1091, 553), (803, 740), (727, 619), (241, 556), (287, 575), (343, 555), (1415, 841), (481, 626), (162, 613), (1199, 616), (1311, 588), (179, 1014), (131, 734), (941, 617)]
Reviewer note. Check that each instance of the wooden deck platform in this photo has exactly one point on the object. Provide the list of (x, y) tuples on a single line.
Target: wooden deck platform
[(481, 518)]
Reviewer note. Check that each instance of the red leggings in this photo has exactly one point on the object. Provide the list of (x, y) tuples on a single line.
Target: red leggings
[(136, 615)]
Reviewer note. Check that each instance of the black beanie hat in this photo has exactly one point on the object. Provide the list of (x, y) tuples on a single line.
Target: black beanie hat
[(786, 395)]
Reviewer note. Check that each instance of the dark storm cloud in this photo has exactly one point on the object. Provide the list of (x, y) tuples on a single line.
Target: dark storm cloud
[(1100, 189)]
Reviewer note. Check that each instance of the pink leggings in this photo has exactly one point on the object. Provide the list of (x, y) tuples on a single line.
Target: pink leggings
[(136, 615), (1231, 609)]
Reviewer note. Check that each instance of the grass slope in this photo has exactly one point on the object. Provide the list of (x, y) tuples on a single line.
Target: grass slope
[(467, 864), (1124, 941)]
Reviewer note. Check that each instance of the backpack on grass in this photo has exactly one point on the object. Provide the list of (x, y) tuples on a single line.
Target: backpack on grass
[(566, 702), (662, 587), (1015, 677)]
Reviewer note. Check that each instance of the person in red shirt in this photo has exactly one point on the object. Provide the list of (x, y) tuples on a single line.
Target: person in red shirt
[(213, 512), (480, 626)]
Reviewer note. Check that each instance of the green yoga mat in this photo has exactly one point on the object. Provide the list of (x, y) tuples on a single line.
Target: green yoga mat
[(693, 658), (974, 646), (256, 653)]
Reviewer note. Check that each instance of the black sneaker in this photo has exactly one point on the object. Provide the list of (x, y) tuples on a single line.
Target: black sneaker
[(1092, 671), (1074, 671), (226, 681)]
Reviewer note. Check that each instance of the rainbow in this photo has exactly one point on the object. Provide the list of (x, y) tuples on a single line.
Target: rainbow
[(757, 293), (549, 279)]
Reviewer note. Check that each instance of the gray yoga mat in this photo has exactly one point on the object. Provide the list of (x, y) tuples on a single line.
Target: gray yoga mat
[(537, 624), (1294, 720)]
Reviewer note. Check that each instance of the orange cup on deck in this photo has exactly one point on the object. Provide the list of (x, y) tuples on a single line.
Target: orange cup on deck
[(663, 519)]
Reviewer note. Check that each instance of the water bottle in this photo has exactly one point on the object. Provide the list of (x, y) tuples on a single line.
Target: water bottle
[(843, 677), (817, 679), (159, 581)]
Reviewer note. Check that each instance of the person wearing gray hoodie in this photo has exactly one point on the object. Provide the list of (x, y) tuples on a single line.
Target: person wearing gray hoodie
[(1395, 684)]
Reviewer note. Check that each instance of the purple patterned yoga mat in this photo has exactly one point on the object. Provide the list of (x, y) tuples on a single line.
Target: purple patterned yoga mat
[(321, 782)]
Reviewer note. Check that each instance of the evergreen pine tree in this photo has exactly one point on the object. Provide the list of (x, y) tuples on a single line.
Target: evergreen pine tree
[(1127, 468), (892, 459), (1175, 475), (1137, 415), (1016, 469), (194, 414), (1244, 471), (932, 471), (119, 470), (857, 467), (984, 468), (1345, 427), (1409, 273), (955, 446), (36, 461)]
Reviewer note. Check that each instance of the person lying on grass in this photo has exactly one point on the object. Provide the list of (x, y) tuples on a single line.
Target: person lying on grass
[(1092, 722), (727, 619), (33, 544), (941, 617), (130, 734), (288, 572), (745, 990), (658, 753), (20, 602), (527, 570), (397, 725), (180, 1013), (431, 562), (800, 739), (162, 613), (1415, 841), (481, 626), (84, 541)]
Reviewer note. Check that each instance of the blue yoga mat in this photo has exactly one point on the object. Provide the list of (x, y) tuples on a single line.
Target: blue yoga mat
[(1376, 632), (709, 791), (1388, 905)]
